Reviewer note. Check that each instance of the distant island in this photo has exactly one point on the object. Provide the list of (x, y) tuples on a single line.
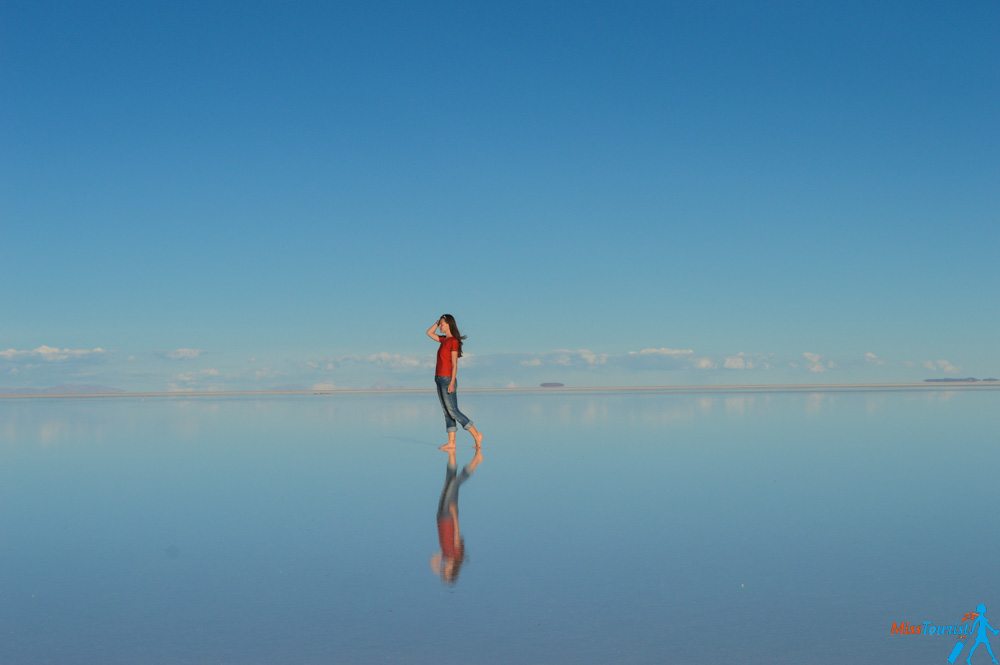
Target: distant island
[(968, 379), (92, 391)]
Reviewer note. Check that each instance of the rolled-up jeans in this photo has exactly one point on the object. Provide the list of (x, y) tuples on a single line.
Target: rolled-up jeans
[(449, 402)]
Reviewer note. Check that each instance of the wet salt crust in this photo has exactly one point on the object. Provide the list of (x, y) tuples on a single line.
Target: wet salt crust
[(639, 528)]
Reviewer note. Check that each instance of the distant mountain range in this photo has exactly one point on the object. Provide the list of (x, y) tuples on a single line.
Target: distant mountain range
[(968, 379), (66, 389)]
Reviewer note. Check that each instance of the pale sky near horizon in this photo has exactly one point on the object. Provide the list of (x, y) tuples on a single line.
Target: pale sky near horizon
[(262, 194)]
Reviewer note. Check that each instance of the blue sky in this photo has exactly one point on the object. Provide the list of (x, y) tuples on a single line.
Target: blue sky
[(259, 195)]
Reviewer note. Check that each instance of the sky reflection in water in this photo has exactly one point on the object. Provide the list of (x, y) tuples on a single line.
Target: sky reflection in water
[(698, 528)]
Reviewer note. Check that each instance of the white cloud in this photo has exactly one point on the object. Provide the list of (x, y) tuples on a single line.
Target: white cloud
[(739, 361), (381, 360), (323, 386), (592, 358), (569, 358), (51, 353), (735, 362), (704, 363), (183, 354), (533, 362), (815, 363), (665, 351), (198, 375), (685, 359), (659, 358), (941, 365), (396, 360), (873, 359)]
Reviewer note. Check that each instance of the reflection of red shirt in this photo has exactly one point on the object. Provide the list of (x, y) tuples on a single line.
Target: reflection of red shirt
[(448, 344), (446, 537)]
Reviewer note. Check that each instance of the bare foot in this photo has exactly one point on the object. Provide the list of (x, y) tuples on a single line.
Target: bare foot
[(478, 436), (450, 445), (476, 459)]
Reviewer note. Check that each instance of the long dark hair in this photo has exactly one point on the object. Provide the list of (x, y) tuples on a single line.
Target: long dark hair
[(450, 320)]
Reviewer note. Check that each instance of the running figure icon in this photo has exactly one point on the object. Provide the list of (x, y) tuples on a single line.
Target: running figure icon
[(979, 627)]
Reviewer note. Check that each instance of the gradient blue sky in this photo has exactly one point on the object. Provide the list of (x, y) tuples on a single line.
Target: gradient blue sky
[(253, 195)]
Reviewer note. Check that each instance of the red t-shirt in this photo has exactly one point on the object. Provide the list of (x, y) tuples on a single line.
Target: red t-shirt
[(446, 538), (448, 344)]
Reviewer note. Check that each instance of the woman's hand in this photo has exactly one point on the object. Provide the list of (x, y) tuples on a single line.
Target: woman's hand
[(451, 386)]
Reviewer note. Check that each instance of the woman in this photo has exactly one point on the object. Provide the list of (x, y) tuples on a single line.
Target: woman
[(446, 378), (448, 561)]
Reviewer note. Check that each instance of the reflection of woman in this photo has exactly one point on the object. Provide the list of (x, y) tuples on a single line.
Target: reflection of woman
[(448, 562), (446, 378)]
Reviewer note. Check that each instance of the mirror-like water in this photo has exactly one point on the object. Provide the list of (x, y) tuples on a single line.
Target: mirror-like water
[(595, 528)]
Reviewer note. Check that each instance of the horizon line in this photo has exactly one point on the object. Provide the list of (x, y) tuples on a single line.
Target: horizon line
[(718, 388)]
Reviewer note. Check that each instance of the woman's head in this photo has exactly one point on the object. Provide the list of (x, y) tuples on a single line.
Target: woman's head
[(448, 325), (448, 568)]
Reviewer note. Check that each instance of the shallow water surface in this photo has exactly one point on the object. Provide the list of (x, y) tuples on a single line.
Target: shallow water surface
[(597, 528)]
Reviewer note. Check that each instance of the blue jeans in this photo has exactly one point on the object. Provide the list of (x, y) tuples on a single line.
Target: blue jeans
[(449, 402)]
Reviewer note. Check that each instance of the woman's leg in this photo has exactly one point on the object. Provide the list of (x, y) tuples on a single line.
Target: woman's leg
[(449, 422), (451, 404)]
